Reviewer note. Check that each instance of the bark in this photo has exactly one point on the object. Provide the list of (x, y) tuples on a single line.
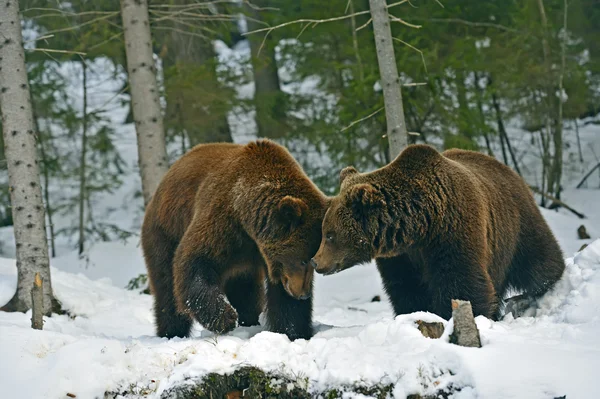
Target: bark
[(465, 330), (146, 108), (267, 94), (392, 97), (23, 169), (82, 164)]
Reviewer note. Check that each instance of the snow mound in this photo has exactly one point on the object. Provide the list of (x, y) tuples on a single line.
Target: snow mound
[(109, 345)]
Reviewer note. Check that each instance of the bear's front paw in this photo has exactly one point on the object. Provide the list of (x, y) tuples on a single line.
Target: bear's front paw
[(225, 323)]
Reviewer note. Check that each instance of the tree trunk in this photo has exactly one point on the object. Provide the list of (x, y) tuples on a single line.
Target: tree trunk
[(485, 131), (578, 141), (359, 63), (557, 163), (185, 54), (37, 303), (267, 88), (504, 135), (23, 169), (46, 185), (82, 190), (554, 162), (465, 330), (147, 113), (392, 97)]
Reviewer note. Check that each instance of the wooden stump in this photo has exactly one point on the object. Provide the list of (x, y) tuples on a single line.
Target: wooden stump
[(582, 233), (37, 303), (430, 330), (465, 330)]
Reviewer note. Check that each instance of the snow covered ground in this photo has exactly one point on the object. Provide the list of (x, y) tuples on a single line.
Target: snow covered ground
[(110, 344)]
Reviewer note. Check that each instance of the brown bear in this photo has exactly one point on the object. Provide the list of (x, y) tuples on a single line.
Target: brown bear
[(224, 217), (455, 225)]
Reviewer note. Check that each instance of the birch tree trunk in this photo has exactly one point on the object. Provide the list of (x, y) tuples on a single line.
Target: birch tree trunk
[(392, 97), (147, 113), (23, 170), (82, 161)]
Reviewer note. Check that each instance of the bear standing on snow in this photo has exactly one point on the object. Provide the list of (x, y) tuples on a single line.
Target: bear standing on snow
[(456, 225), (224, 217)]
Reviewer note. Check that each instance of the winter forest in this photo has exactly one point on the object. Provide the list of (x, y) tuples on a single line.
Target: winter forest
[(98, 99)]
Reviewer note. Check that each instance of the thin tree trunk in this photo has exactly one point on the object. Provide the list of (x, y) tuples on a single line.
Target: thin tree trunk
[(361, 69), (557, 164), (392, 97), (23, 169), (184, 52), (578, 141), (545, 47), (82, 162), (551, 169), (267, 87), (504, 135), (46, 186), (544, 143), (482, 116), (464, 113), (147, 112)]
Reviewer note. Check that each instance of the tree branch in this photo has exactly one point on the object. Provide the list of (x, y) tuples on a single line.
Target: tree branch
[(316, 22)]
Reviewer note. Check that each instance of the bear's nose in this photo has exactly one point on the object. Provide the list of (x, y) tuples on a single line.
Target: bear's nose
[(304, 296), (313, 263)]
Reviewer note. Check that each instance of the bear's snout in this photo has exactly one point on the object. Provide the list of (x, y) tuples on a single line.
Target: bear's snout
[(323, 267), (297, 281)]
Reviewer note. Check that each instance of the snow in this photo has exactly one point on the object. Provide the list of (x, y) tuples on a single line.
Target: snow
[(110, 345)]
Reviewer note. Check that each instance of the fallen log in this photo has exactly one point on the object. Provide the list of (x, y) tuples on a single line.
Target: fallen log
[(557, 201)]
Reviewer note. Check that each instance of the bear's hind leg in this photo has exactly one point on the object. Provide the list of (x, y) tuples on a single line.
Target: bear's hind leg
[(288, 315), (246, 293), (537, 266), (158, 252), (401, 281)]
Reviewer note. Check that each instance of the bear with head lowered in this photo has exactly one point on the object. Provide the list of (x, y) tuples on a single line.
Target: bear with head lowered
[(441, 226), (224, 219)]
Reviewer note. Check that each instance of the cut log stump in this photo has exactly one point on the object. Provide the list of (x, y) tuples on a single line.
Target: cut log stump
[(37, 303), (465, 330)]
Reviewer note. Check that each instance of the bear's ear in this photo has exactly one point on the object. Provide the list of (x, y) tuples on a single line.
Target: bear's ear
[(347, 171), (364, 197), (292, 209)]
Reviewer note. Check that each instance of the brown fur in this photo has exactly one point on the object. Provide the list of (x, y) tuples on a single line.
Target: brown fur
[(456, 225), (224, 217)]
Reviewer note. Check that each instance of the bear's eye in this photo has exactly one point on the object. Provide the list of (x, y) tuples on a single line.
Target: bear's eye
[(329, 237), (304, 262)]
